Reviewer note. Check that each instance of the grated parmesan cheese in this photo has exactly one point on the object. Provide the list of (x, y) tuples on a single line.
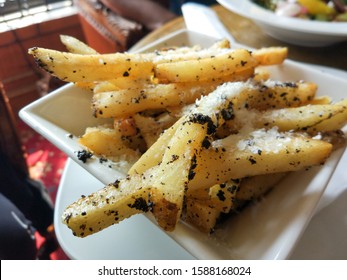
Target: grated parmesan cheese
[(211, 104), (265, 140)]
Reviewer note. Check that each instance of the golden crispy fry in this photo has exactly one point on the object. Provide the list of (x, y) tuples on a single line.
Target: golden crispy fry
[(175, 171), (335, 121), (260, 152), (252, 188), (90, 68), (271, 55), (261, 75), (108, 206), (205, 69), (121, 83), (311, 117), (104, 86), (221, 44), (126, 127), (85, 85), (222, 195), (151, 127), (201, 215), (219, 196), (274, 94), (107, 142), (74, 45), (209, 68), (305, 118), (321, 100), (133, 100), (154, 154), (187, 53)]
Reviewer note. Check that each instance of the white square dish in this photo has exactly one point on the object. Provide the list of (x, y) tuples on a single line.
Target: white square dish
[(266, 230)]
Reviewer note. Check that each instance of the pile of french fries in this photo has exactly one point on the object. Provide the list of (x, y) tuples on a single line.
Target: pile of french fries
[(206, 130)]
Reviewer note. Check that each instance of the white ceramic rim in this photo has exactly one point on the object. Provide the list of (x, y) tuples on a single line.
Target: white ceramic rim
[(253, 11)]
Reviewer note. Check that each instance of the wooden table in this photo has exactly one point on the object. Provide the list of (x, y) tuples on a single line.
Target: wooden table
[(247, 33)]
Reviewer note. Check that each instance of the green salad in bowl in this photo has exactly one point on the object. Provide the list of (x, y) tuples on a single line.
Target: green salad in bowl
[(322, 10)]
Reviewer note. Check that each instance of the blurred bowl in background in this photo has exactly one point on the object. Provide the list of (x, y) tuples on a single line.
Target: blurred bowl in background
[(295, 31)]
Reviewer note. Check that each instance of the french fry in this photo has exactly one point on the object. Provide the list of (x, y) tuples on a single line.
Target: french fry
[(260, 152), (222, 195), (328, 117), (74, 45), (151, 127), (108, 206), (271, 55), (272, 94), (177, 54), (105, 86), (201, 215), (155, 152), (90, 68), (218, 196), (261, 75), (321, 100), (107, 142), (191, 133), (254, 187), (221, 44), (205, 69), (335, 121), (133, 100), (121, 83), (210, 68)]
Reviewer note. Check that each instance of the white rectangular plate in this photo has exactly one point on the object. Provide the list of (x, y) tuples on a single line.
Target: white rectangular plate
[(266, 230)]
